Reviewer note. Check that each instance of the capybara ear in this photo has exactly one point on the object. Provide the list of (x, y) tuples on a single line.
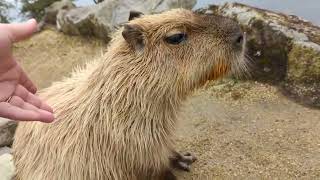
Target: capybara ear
[(133, 35), (134, 14)]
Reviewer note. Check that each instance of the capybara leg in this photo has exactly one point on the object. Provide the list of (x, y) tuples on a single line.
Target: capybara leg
[(182, 162), (168, 175), (15, 177)]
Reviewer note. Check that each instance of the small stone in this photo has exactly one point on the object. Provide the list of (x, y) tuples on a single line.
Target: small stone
[(7, 129), (6, 167), (5, 150), (258, 53), (266, 69)]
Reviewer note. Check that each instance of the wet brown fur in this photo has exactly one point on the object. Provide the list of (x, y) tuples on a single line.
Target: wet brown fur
[(115, 118)]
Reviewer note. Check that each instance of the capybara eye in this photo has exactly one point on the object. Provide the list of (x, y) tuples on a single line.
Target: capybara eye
[(176, 38)]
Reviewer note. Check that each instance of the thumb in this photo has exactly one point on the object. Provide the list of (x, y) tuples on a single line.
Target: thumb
[(20, 31)]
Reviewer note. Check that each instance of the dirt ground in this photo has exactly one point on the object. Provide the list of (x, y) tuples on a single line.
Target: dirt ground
[(248, 132)]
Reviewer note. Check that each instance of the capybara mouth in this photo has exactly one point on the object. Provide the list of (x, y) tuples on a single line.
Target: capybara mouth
[(219, 70)]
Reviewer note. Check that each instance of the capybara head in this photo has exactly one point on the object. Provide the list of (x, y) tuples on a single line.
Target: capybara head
[(191, 48)]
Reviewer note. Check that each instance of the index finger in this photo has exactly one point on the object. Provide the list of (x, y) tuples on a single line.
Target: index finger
[(20, 31)]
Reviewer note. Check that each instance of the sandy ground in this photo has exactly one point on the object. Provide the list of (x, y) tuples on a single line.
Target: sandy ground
[(49, 56), (250, 139), (249, 132)]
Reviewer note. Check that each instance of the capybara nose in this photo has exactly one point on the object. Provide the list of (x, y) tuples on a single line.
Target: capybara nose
[(238, 39)]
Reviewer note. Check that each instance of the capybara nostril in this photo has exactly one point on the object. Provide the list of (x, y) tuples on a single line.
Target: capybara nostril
[(238, 40)]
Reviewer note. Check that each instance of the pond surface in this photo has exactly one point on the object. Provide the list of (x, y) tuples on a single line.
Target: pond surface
[(308, 9)]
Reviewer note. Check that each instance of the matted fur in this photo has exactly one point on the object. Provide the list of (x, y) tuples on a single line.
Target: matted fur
[(115, 117)]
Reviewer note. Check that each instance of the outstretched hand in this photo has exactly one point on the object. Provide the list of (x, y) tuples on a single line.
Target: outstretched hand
[(17, 92)]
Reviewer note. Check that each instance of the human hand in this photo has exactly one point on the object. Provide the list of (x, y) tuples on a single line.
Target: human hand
[(17, 92)]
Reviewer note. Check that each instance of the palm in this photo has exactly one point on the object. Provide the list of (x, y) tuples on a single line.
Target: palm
[(17, 99)]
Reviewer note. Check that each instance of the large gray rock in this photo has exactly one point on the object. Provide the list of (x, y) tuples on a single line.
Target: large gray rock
[(101, 19), (7, 129), (5, 150), (284, 49), (51, 12)]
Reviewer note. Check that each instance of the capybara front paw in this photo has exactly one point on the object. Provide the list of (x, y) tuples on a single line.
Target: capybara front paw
[(168, 175), (182, 162)]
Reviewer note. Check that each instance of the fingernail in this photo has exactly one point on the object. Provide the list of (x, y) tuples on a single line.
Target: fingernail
[(46, 107), (47, 116), (50, 109), (49, 120), (32, 20), (34, 89)]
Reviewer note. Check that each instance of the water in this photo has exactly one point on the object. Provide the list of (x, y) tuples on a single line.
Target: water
[(308, 9)]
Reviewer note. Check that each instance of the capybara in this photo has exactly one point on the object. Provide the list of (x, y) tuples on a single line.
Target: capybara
[(116, 117)]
